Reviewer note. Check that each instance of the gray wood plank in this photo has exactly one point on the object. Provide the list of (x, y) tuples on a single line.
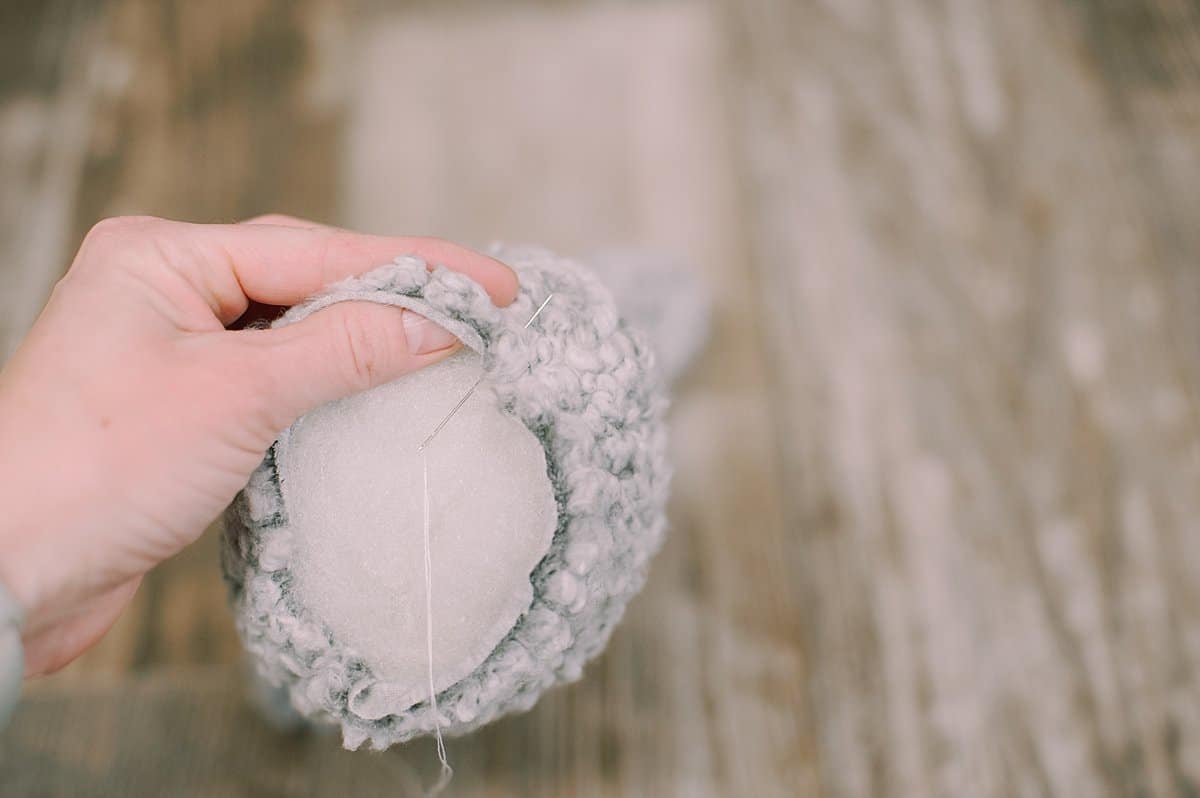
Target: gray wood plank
[(976, 240), (48, 95)]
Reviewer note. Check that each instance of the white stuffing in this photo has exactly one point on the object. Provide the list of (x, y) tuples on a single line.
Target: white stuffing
[(352, 480)]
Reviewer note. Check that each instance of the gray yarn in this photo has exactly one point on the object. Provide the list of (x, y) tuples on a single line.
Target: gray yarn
[(584, 384), (664, 298)]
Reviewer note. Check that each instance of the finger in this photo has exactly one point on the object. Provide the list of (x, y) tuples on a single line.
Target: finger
[(283, 264), (341, 350), (259, 314)]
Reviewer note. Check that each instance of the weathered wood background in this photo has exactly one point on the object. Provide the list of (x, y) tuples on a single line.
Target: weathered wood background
[(937, 516)]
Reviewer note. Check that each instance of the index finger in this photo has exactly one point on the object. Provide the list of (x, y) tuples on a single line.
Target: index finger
[(285, 264)]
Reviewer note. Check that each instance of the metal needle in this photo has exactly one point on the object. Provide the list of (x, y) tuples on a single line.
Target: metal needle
[(471, 390)]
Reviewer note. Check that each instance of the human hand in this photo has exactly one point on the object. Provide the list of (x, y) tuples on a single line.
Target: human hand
[(130, 416)]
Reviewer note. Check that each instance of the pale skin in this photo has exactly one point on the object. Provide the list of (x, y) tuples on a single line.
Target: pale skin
[(131, 414)]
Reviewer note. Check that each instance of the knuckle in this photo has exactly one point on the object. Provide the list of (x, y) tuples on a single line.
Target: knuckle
[(337, 247), (116, 234), (281, 220), (266, 405), (363, 345), (120, 226), (340, 244)]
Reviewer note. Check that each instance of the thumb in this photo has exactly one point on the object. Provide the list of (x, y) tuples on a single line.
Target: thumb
[(341, 350)]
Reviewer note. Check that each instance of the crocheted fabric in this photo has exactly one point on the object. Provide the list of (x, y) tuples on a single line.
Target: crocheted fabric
[(583, 383)]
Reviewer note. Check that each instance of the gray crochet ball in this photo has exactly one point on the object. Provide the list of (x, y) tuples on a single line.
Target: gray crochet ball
[(585, 385)]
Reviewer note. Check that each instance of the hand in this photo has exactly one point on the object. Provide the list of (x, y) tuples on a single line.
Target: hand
[(131, 416)]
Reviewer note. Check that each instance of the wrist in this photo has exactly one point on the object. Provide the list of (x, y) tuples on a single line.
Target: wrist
[(32, 553), (22, 576)]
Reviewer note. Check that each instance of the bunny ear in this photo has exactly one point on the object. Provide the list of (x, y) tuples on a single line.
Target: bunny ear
[(664, 298)]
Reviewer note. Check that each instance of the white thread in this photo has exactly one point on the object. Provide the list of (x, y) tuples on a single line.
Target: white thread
[(447, 772)]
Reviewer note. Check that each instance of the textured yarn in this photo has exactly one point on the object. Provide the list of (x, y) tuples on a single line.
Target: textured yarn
[(584, 384)]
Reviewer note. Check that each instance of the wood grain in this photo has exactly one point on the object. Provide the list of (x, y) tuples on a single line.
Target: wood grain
[(976, 270), (48, 87), (934, 523), (699, 692)]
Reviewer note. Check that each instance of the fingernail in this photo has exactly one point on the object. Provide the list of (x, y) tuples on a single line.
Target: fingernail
[(424, 336)]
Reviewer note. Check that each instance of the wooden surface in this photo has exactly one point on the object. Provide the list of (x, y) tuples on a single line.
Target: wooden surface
[(979, 278), (935, 520)]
